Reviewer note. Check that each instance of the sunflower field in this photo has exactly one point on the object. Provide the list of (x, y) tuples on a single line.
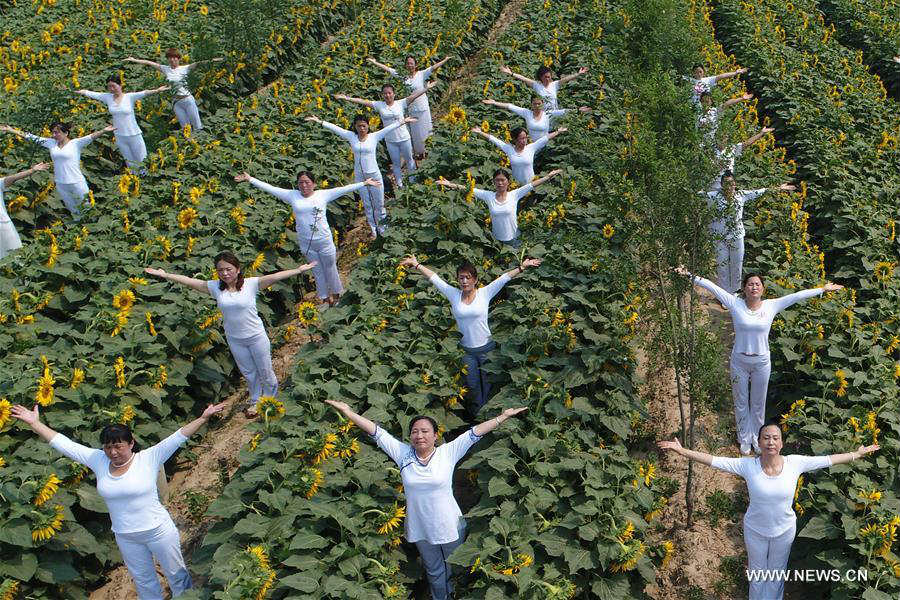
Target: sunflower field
[(567, 500)]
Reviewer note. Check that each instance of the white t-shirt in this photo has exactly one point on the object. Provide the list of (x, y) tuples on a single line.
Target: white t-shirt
[(66, 160), (177, 77), (123, 117), (521, 163), (4, 216), (132, 498), (708, 123), (395, 113), (309, 211), (548, 93), (504, 215), (415, 83), (239, 316), (770, 512), (364, 152), (729, 221), (751, 328), (471, 319), (698, 86), (432, 513), (725, 158), (537, 128)]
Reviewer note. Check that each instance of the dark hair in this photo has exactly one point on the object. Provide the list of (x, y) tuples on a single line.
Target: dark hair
[(541, 71), (503, 172), (304, 173), (749, 275), (770, 423), (115, 78), (705, 95), (232, 260), (64, 127), (418, 418), (410, 56), (359, 117), (469, 268), (515, 132), (172, 52), (538, 98), (698, 66), (725, 174), (118, 433), (385, 86)]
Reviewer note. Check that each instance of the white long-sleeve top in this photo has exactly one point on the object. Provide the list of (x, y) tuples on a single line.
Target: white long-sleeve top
[(751, 327), (132, 498), (729, 221), (471, 319), (309, 211), (123, 117), (393, 113), (698, 86), (66, 160), (432, 513), (770, 512), (521, 163), (537, 127), (364, 160), (708, 123), (415, 83), (239, 316), (177, 77), (4, 216), (548, 93), (504, 215)]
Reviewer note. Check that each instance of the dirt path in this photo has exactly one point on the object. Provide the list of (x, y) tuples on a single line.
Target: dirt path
[(695, 570)]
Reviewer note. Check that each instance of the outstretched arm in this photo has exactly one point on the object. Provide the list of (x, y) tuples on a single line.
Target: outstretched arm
[(282, 194), (494, 140), (32, 418), (101, 132), (488, 426), (194, 284), (344, 134), (417, 93), (410, 262), (141, 61), (546, 178), (272, 278), (675, 446), (755, 138), (439, 64), (455, 186), (567, 78), (522, 78), (727, 299), (733, 101), (785, 301), (550, 136), (362, 101), (526, 264), (145, 93), (11, 179), (192, 427), (838, 459), (200, 62), (390, 70), (92, 95), (722, 76), (14, 131), (358, 420)]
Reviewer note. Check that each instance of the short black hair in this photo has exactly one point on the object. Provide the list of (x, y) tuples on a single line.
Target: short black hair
[(770, 423), (115, 78), (116, 432), (541, 71), (469, 268), (64, 127), (418, 418), (727, 173)]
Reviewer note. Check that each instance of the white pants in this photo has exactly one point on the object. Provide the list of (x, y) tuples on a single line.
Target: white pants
[(749, 385), (768, 554), (401, 152), (188, 114), (162, 543), (730, 262), (322, 250), (9, 239), (133, 149), (72, 195), (253, 356), (421, 129), (373, 201)]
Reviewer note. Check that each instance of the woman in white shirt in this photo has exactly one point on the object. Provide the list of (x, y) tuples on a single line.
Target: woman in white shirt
[(126, 480), (543, 84), (770, 522), (244, 330), (419, 109), (185, 105), (365, 164), (434, 522), (709, 117), (726, 155), (537, 120), (70, 183), (310, 208), (700, 83), (9, 237), (121, 107), (750, 360), (503, 204), (521, 154), (469, 305), (393, 110)]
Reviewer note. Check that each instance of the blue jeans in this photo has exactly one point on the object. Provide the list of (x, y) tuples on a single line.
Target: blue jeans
[(478, 385), (437, 569)]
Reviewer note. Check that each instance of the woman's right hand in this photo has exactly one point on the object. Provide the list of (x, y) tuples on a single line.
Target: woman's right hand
[(241, 177), (30, 417), (155, 272), (681, 270), (372, 182), (409, 262), (674, 445), (505, 69), (341, 406), (42, 166), (314, 118)]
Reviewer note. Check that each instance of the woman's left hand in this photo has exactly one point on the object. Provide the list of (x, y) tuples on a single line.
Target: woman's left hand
[(511, 412), (531, 262), (213, 409), (863, 450), (832, 287)]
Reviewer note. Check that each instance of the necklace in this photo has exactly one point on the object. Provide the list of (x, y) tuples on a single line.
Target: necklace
[(124, 464), (426, 459)]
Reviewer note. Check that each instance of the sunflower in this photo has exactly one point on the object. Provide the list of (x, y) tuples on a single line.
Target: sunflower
[(307, 313), (631, 554), (119, 368), (44, 395), (5, 412), (50, 487), (391, 520), (308, 481), (124, 300), (608, 231), (269, 407), (8, 589), (186, 217), (48, 525), (267, 578)]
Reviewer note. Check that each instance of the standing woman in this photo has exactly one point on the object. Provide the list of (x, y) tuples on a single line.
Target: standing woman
[(700, 83), (709, 117), (726, 155), (469, 307), (770, 522), (543, 83), (419, 109), (537, 120), (503, 204), (393, 110), (185, 105), (313, 231), (9, 237), (121, 107), (244, 330), (750, 358), (70, 183), (520, 153), (126, 480), (365, 164), (434, 522)]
